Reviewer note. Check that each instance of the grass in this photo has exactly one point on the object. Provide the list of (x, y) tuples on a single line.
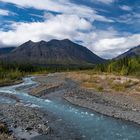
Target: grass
[(3, 128), (104, 82), (10, 76), (118, 87), (88, 85), (100, 88), (4, 133), (88, 79), (123, 86), (138, 88)]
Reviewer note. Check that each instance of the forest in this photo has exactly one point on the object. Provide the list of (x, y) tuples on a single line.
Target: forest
[(124, 66), (10, 72)]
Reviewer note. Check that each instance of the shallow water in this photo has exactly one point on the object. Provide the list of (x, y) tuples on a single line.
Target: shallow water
[(7, 100), (91, 125)]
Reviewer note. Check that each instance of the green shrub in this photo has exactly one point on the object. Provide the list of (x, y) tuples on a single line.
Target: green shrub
[(100, 89)]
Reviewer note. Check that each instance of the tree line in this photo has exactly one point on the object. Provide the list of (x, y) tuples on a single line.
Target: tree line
[(15, 71), (124, 66)]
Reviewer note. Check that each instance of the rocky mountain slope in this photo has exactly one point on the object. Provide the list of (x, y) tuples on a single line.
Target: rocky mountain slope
[(52, 52), (6, 50), (130, 53)]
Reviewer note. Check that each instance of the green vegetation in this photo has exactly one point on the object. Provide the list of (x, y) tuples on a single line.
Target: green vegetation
[(125, 66), (10, 73), (100, 88), (4, 133), (3, 128), (13, 72)]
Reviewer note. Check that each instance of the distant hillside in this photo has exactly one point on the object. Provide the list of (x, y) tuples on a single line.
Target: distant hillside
[(131, 53), (6, 50), (52, 52), (127, 63)]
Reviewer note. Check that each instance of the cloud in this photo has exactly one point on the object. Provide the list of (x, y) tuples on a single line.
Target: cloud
[(126, 8), (106, 43), (61, 6), (132, 18), (104, 1), (60, 26), (112, 47), (4, 12), (72, 21), (54, 26)]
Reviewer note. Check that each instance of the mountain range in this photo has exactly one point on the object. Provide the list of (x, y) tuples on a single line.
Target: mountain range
[(56, 52), (6, 50), (133, 52), (52, 52)]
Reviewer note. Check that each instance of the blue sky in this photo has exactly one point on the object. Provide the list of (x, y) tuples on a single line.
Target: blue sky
[(106, 27)]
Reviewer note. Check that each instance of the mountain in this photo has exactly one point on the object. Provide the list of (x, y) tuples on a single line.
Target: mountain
[(6, 50), (130, 53), (52, 52)]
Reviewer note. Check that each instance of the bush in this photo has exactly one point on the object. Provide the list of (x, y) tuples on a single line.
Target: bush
[(100, 88), (15, 75)]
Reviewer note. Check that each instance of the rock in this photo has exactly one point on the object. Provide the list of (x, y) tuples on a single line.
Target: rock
[(25, 118), (29, 128)]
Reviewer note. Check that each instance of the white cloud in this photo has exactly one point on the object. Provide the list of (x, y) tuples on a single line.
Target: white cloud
[(104, 43), (126, 8), (104, 1), (75, 22), (61, 6), (60, 26), (111, 47), (56, 6), (132, 18), (4, 12)]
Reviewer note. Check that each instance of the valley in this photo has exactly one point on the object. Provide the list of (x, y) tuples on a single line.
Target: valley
[(66, 104), (69, 95), (69, 70)]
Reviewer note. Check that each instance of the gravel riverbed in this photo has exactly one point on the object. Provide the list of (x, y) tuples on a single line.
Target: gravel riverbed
[(23, 122), (26, 122), (103, 105), (115, 105)]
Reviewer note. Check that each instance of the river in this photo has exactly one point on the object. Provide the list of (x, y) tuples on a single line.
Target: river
[(90, 125)]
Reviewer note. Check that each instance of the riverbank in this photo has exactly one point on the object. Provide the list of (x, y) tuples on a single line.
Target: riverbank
[(27, 118), (10, 82), (4, 132), (23, 122), (24, 118), (117, 104), (104, 106)]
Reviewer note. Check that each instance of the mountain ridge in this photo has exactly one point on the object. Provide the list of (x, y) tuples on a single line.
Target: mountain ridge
[(6, 50), (53, 52), (135, 51)]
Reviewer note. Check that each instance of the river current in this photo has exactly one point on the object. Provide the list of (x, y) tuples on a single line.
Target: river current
[(91, 125)]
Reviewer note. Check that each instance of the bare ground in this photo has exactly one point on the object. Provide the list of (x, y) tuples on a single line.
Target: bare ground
[(112, 95)]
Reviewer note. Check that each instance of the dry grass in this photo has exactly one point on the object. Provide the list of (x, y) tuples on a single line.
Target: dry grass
[(3, 128), (138, 88), (78, 76), (4, 133), (88, 85), (39, 89), (105, 82)]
